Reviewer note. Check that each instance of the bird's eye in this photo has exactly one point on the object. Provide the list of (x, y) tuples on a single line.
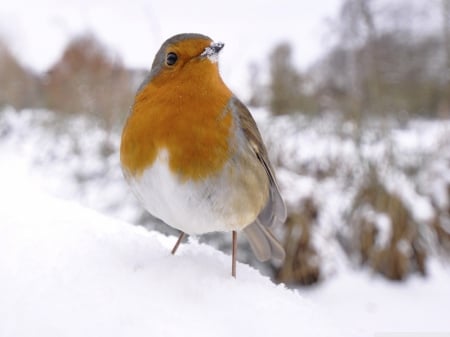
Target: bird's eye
[(171, 59)]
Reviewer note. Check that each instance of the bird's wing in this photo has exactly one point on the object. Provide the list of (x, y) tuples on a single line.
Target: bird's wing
[(261, 239), (275, 211)]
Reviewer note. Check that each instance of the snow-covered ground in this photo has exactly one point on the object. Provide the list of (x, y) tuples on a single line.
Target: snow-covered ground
[(373, 305), (68, 271)]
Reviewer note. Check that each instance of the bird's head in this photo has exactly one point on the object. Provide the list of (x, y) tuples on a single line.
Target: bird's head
[(185, 56)]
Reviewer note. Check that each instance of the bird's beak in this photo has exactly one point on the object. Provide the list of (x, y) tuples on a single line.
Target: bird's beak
[(212, 51)]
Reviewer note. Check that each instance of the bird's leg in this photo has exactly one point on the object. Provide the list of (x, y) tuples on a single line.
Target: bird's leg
[(174, 249), (233, 254)]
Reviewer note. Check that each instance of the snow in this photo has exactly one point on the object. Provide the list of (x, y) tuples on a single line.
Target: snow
[(375, 306), (384, 228), (68, 271)]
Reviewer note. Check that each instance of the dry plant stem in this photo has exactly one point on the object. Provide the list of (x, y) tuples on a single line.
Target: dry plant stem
[(233, 254), (182, 234)]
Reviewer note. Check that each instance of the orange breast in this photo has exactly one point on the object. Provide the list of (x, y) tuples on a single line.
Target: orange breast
[(186, 116)]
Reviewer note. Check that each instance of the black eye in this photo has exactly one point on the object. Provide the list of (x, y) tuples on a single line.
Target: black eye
[(171, 59)]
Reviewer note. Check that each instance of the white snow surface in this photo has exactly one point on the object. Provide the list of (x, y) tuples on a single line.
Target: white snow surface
[(69, 271), (373, 307)]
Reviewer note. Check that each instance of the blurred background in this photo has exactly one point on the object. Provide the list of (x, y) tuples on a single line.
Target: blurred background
[(352, 98)]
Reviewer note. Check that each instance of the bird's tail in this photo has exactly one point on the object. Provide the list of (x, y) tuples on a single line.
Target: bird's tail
[(264, 244)]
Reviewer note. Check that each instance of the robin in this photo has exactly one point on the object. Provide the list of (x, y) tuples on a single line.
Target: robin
[(193, 155)]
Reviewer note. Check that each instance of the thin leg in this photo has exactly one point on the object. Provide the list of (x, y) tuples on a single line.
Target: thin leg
[(178, 243), (233, 254)]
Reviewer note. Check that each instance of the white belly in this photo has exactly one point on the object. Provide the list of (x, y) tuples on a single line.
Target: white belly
[(195, 207)]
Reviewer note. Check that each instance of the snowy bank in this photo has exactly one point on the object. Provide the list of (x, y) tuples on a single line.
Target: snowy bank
[(69, 271)]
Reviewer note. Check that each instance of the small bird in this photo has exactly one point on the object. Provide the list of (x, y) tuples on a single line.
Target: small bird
[(193, 155)]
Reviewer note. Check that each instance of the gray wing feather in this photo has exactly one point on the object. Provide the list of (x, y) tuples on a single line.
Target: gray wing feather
[(262, 240)]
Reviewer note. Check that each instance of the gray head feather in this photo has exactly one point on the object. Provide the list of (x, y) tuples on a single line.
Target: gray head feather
[(160, 57)]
